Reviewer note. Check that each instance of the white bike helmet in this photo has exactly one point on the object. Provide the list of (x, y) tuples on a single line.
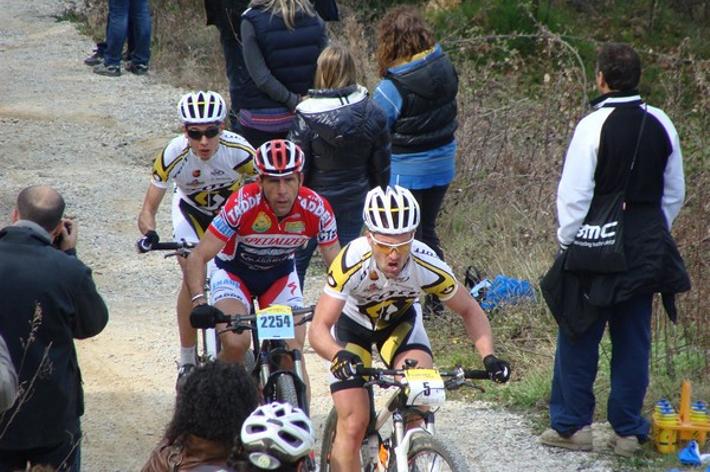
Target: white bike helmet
[(278, 430), (199, 108), (391, 211)]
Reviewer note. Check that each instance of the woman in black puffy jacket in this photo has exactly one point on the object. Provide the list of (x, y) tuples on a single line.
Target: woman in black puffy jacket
[(346, 142)]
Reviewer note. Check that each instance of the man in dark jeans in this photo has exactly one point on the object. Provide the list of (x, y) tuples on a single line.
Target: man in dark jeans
[(47, 299)]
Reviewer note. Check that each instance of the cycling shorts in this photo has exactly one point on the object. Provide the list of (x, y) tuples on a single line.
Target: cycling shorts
[(407, 334), (189, 223), (279, 286)]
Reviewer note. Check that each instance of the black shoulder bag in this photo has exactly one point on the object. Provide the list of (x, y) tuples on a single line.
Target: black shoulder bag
[(598, 246)]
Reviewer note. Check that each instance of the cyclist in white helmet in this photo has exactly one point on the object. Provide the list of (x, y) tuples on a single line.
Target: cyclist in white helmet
[(372, 296), (206, 164)]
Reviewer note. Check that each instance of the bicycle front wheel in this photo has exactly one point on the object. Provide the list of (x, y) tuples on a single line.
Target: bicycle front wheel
[(286, 390), (429, 454)]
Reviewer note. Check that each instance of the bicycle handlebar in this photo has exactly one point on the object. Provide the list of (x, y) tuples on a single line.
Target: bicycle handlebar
[(241, 322), (172, 246), (377, 374)]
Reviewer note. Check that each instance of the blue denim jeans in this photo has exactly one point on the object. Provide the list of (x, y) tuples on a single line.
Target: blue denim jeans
[(572, 399), (117, 32), (349, 223)]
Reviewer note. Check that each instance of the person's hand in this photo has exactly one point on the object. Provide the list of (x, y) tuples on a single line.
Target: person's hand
[(498, 370), (146, 243), (68, 236), (344, 364), (205, 316)]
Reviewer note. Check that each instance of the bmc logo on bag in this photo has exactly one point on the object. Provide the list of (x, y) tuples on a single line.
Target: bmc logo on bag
[(596, 232)]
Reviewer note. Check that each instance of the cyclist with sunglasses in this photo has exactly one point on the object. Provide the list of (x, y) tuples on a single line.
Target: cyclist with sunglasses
[(206, 164), (254, 239), (372, 297)]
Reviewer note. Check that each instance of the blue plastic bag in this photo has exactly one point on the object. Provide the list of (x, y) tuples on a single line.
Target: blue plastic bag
[(502, 290)]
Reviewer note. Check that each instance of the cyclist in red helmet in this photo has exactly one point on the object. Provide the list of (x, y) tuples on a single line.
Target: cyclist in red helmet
[(253, 240)]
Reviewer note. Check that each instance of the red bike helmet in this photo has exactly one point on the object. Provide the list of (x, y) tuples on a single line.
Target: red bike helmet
[(279, 158)]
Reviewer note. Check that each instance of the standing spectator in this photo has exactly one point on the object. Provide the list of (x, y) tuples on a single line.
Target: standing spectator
[(8, 378), (117, 31), (344, 138), (47, 299), (281, 41), (598, 162), (210, 409), (418, 94), (97, 57), (225, 15)]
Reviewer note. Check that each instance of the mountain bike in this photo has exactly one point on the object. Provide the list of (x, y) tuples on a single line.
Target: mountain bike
[(207, 345), (278, 369), (389, 445)]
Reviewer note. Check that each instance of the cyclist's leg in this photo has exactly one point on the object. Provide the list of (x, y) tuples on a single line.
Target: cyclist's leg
[(230, 294), (287, 291), (350, 399), (408, 340), (189, 229)]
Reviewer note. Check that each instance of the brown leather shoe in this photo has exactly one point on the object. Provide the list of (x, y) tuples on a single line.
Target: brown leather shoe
[(581, 440)]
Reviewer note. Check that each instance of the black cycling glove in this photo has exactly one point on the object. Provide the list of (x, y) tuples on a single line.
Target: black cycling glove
[(145, 243), (205, 316), (498, 370), (344, 364)]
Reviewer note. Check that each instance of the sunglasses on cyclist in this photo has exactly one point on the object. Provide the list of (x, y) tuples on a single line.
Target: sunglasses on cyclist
[(387, 248), (197, 134)]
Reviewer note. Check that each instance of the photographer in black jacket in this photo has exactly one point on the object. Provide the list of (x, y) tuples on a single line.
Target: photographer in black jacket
[(47, 299)]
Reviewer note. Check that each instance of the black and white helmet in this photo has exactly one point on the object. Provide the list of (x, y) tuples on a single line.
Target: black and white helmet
[(393, 210), (277, 430), (199, 108)]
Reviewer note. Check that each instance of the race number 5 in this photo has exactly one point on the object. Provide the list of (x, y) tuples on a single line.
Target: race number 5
[(424, 387)]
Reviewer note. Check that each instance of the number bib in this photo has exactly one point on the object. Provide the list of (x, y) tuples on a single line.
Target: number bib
[(275, 322), (425, 387)]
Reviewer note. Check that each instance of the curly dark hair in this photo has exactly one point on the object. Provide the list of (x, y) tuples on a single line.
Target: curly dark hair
[(213, 403), (401, 33), (620, 65)]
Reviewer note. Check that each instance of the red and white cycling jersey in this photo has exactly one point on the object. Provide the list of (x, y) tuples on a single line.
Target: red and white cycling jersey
[(257, 240)]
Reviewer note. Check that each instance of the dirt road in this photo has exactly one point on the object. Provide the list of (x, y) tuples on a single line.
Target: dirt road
[(93, 138)]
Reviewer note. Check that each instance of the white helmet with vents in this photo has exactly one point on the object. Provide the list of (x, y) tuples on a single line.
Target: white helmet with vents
[(198, 108), (393, 210), (277, 430)]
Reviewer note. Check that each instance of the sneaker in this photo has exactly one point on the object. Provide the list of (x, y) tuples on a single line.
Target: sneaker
[(138, 69), (581, 440), (110, 71), (95, 59), (183, 372), (625, 446)]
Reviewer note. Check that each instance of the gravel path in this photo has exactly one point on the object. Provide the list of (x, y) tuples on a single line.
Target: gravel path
[(93, 138)]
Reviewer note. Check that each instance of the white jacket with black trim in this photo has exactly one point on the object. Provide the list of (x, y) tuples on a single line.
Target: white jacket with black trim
[(600, 154)]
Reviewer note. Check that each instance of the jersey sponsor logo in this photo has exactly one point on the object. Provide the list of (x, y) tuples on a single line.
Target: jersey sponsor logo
[(243, 204), (276, 240), (421, 250), (317, 208), (217, 172), (295, 227), (196, 173), (261, 223)]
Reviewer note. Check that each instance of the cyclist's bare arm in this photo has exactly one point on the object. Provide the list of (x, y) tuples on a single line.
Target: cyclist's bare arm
[(195, 272), (146, 218), (326, 314), (474, 319), (329, 252)]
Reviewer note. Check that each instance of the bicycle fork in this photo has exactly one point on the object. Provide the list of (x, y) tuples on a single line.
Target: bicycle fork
[(402, 436)]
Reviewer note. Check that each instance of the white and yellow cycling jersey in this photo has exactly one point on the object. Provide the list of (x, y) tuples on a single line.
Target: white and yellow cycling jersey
[(375, 301), (204, 185)]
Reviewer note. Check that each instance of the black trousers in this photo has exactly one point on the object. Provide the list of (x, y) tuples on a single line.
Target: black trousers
[(430, 200)]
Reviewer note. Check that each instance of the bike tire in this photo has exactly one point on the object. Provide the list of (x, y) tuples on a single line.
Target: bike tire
[(328, 437), (428, 453), (286, 390)]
